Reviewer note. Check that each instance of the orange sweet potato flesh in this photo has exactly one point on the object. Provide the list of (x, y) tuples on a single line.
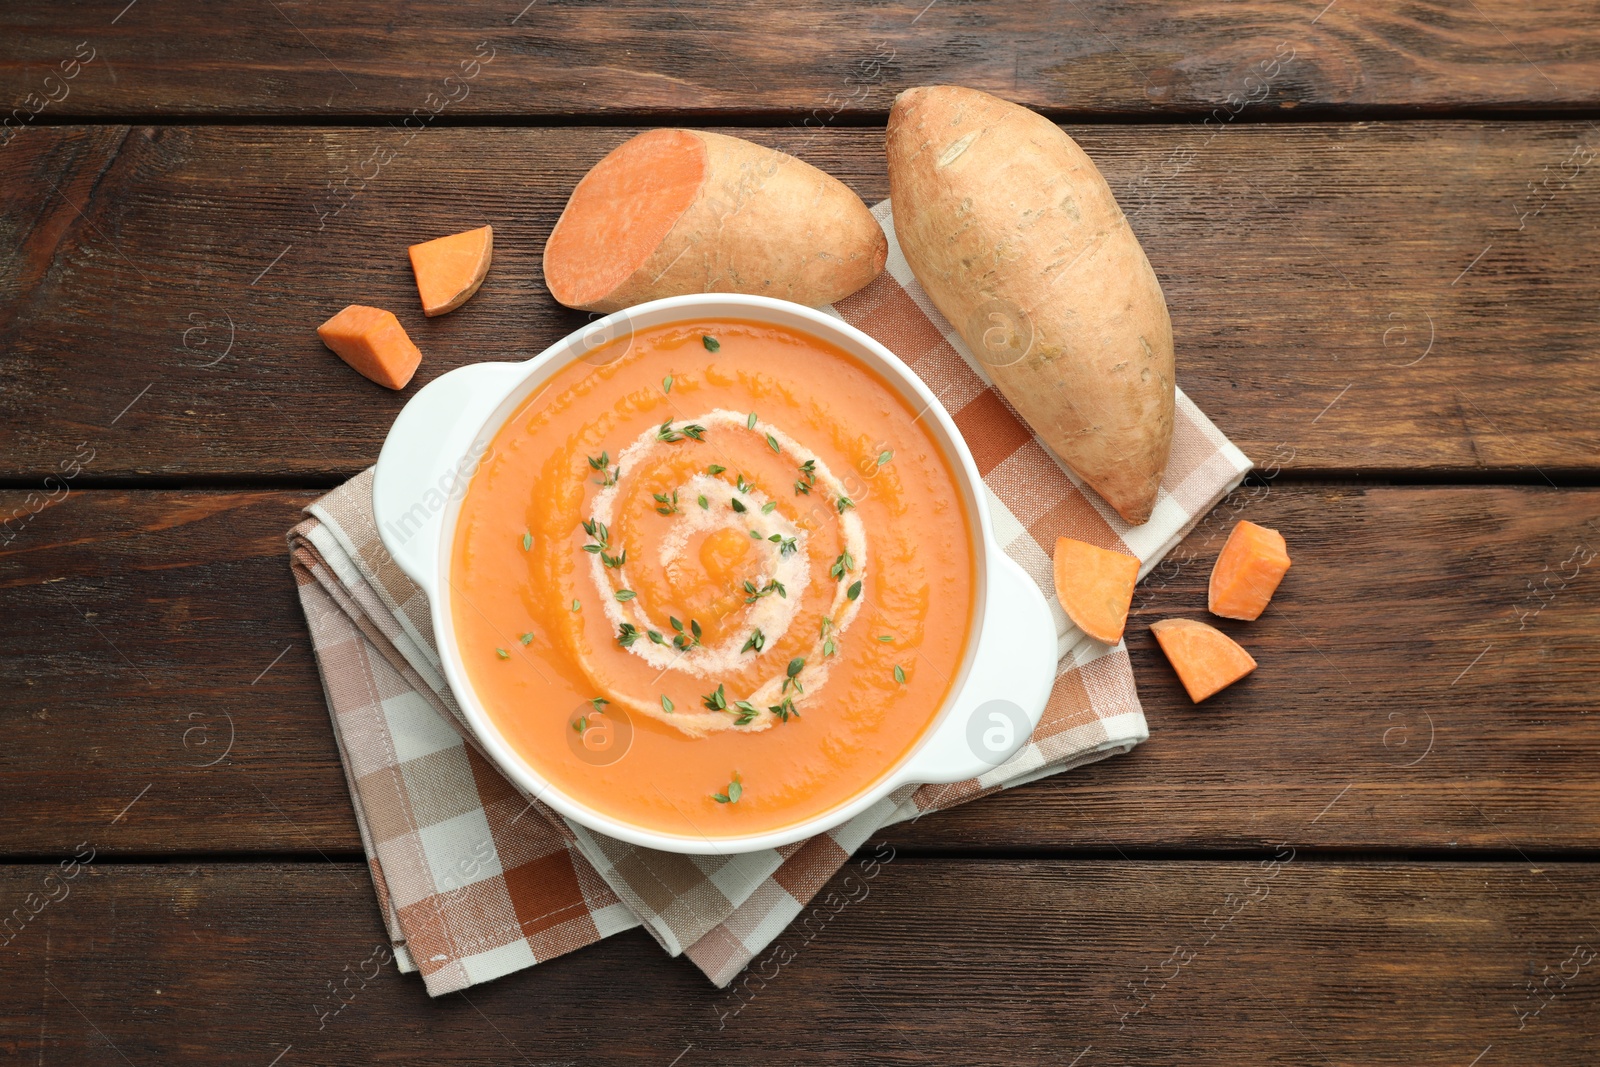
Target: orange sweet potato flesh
[(373, 342), (1206, 659), (1095, 587), (1247, 572), (450, 269), (672, 212)]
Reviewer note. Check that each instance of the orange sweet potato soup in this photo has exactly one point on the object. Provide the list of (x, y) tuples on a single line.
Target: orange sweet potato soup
[(714, 579)]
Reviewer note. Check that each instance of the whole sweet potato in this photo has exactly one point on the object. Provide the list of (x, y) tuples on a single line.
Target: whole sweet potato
[(673, 211), (1017, 239)]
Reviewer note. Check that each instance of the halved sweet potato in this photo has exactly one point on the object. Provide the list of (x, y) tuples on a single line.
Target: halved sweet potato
[(685, 211), (1095, 587), (373, 342), (1206, 659), (450, 269), (1247, 572)]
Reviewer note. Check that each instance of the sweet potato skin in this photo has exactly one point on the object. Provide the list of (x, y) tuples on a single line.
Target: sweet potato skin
[(1018, 241), (763, 223)]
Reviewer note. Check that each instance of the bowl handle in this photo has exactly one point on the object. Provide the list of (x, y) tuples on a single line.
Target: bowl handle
[(1005, 691), (428, 459)]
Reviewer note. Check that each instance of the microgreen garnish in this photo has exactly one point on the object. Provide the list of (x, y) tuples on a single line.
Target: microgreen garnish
[(784, 710), (756, 534), (666, 704), (885, 638), (715, 469), (747, 713), (576, 607), (772, 443), (627, 634), (757, 641), (581, 725), (705, 505), (828, 647), (666, 384), (769, 507), (844, 502), (668, 505), (711, 343), (787, 546), (683, 642), (666, 432), (772, 586), (792, 675), (735, 791), (526, 638), (884, 457), (527, 542), (751, 421), (808, 477), (717, 701), (598, 702), (614, 561), (602, 536), (502, 653), (655, 637), (737, 505), (626, 594), (744, 486), (842, 566), (854, 591), (899, 674)]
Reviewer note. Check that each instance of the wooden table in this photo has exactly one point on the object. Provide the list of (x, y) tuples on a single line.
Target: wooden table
[(1379, 233)]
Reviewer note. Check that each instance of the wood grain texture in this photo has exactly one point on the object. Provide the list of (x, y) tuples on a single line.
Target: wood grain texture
[(1426, 681), (1383, 298), (819, 59), (925, 962)]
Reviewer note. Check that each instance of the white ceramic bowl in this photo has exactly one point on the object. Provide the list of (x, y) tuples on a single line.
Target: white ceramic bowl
[(430, 454)]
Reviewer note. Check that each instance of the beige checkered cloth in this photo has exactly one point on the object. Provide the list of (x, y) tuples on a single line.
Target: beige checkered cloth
[(476, 880)]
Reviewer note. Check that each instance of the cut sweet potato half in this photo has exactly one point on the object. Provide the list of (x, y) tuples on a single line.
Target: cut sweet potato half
[(1247, 572), (1206, 659), (450, 269), (373, 342), (672, 212), (1095, 587)]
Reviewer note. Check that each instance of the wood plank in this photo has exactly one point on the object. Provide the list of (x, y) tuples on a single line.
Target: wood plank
[(971, 962), (1374, 297), (823, 58), (1426, 681)]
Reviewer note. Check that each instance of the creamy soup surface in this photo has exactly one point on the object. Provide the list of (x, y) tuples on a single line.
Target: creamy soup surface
[(716, 578)]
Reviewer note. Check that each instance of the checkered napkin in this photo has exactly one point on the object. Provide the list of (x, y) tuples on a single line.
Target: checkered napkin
[(476, 880)]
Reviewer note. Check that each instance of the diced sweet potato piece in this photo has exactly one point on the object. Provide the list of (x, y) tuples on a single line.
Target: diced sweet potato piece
[(373, 342), (450, 269), (1206, 659), (1247, 572), (1095, 587)]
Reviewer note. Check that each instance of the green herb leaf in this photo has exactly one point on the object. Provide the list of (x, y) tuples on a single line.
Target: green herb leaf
[(526, 638), (666, 384), (769, 507), (527, 542), (843, 565), (844, 502), (756, 534), (899, 674), (796, 665), (694, 628), (502, 653), (581, 724), (695, 431), (884, 457), (747, 713), (627, 634), (757, 641), (626, 594), (751, 421), (598, 702), (738, 505), (772, 443), (735, 791), (715, 469), (655, 636), (666, 704), (885, 638), (716, 701), (784, 710), (676, 625), (854, 591), (788, 546), (705, 505), (711, 343), (828, 647), (744, 486), (576, 607)]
